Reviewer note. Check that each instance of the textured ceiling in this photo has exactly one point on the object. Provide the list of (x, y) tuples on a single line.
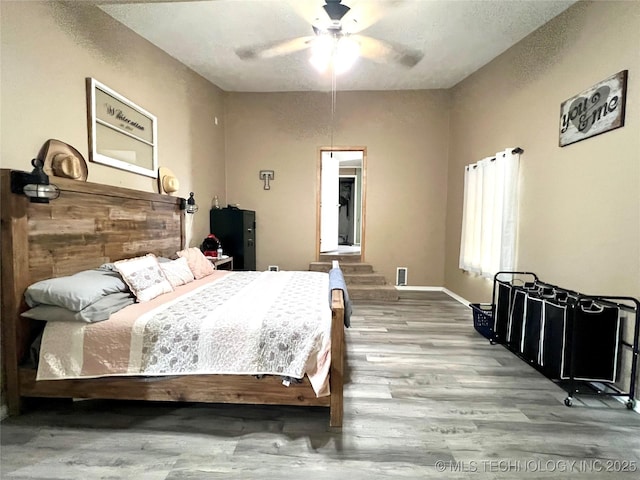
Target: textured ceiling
[(456, 37)]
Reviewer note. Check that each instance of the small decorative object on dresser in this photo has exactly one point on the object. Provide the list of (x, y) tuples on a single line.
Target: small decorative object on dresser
[(210, 246)]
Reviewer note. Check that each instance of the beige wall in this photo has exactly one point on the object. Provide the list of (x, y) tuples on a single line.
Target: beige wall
[(580, 204), (406, 136), (48, 48)]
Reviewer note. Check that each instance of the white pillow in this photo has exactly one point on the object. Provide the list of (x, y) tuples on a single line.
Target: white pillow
[(144, 277), (177, 272)]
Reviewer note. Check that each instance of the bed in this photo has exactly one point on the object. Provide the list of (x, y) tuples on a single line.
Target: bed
[(90, 225)]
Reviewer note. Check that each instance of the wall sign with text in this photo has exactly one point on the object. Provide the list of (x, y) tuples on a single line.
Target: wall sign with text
[(121, 134), (594, 111)]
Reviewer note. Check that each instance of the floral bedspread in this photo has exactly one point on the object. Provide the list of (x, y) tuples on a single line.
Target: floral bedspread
[(241, 323)]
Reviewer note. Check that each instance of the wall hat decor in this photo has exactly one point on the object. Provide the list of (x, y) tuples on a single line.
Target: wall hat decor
[(595, 110), (121, 134), (167, 182), (62, 160)]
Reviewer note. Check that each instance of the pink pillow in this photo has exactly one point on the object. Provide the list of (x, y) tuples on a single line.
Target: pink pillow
[(198, 263)]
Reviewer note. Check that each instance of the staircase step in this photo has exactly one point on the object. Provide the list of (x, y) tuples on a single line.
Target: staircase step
[(373, 292), (342, 258), (364, 279), (346, 267)]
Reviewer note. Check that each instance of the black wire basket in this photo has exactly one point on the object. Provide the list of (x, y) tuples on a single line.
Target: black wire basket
[(483, 319)]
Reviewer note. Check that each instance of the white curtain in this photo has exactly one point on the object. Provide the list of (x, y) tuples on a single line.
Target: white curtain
[(490, 214)]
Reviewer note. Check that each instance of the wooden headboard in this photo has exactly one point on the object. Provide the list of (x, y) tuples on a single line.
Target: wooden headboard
[(88, 225)]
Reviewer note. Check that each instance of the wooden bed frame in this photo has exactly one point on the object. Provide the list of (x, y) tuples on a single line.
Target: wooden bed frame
[(91, 224)]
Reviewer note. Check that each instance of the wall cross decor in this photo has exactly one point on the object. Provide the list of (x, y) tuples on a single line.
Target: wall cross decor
[(267, 176)]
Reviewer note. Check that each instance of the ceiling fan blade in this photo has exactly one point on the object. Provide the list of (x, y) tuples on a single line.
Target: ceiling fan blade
[(364, 14), (381, 51), (312, 12), (275, 49)]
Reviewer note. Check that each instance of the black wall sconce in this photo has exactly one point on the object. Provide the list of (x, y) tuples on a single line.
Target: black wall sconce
[(34, 185), (189, 205)]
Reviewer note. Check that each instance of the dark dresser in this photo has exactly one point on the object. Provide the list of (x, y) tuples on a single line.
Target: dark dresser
[(236, 230)]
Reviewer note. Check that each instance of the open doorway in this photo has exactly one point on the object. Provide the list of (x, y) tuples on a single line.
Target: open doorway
[(340, 201), (347, 220)]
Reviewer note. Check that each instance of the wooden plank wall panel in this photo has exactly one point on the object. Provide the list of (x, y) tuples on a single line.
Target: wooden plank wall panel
[(82, 230), (88, 225)]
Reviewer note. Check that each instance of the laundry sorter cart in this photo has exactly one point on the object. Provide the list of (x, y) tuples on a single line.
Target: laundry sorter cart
[(492, 320), (588, 344)]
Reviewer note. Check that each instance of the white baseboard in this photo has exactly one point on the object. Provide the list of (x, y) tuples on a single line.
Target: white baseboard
[(435, 289), (457, 297), (419, 289)]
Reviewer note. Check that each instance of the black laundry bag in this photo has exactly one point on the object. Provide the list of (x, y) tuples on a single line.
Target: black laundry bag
[(517, 316), (503, 310), (532, 327), (555, 329), (594, 337)]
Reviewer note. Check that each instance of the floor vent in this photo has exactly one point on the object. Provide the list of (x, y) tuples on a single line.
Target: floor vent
[(401, 276), (273, 268)]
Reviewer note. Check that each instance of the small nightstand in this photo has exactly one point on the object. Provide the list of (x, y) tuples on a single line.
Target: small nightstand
[(224, 263)]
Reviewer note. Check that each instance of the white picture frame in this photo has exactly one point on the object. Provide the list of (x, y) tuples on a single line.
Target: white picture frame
[(121, 134)]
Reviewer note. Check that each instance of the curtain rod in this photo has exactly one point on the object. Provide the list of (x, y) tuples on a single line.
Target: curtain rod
[(515, 151)]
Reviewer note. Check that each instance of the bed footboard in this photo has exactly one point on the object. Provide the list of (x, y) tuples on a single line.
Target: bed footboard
[(336, 377)]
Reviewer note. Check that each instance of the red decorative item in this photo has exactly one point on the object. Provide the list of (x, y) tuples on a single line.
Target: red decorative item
[(210, 246)]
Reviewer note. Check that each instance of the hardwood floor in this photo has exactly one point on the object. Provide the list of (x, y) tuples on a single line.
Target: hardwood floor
[(427, 397)]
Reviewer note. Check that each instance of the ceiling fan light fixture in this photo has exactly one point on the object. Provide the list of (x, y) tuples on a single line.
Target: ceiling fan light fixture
[(346, 53), (321, 53), (339, 53)]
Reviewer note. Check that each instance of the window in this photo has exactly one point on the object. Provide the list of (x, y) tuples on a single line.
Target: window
[(490, 214)]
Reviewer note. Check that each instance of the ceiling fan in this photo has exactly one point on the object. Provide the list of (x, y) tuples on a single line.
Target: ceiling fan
[(336, 31)]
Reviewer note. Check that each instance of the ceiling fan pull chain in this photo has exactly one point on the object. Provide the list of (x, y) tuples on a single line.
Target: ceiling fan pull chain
[(333, 102)]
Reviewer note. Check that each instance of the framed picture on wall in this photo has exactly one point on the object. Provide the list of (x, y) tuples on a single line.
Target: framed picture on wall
[(595, 110), (121, 134)]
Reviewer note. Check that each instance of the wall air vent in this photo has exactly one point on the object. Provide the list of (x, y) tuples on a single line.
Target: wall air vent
[(273, 268), (401, 276)]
